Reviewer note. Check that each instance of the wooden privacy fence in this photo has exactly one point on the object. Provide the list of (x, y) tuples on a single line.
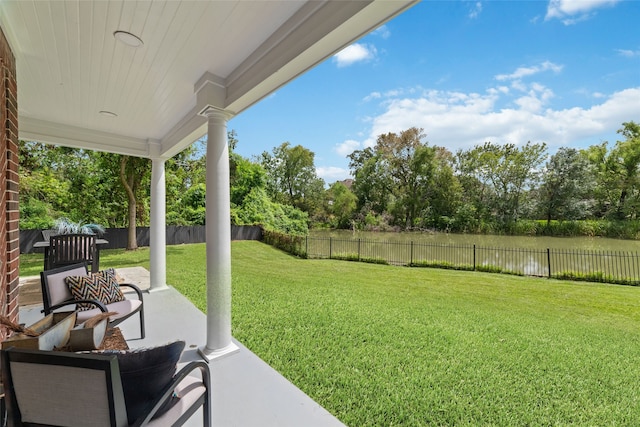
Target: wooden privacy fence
[(590, 265), (175, 235)]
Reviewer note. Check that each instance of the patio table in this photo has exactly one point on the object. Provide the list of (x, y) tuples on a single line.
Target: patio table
[(45, 244)]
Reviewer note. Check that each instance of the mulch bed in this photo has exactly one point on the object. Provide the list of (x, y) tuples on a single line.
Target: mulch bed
[(114, 340)]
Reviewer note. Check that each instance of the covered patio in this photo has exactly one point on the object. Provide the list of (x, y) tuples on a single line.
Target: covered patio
[(245, 390), (147, 79)]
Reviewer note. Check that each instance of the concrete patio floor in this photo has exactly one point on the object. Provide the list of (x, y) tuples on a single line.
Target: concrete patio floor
[(246, 392)]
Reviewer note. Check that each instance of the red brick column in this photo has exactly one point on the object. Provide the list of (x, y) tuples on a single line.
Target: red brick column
[(9, 213)]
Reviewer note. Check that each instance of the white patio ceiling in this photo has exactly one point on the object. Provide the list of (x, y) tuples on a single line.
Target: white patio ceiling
[(70, 66)]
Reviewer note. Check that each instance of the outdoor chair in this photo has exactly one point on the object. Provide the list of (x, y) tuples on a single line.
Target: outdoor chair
[(68, 249), (56, 295), (88, 389)]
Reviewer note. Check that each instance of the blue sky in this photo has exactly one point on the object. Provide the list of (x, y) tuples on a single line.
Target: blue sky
[(563, 72)]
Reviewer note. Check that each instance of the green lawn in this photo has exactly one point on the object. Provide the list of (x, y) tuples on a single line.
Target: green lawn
[(380, 345), (31, 264)]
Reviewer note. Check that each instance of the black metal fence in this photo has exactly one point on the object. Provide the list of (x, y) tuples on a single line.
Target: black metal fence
[(597, 266)]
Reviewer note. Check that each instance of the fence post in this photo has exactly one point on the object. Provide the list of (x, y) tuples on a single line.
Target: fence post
[(411, 257), (330, 246), (358, 249), (306, 246), (549, 262), (474, 257)]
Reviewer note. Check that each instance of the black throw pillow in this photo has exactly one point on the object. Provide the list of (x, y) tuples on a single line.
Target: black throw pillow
[(144, 373)]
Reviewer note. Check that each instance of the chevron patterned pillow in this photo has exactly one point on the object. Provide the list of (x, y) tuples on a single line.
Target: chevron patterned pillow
[(102, 286)]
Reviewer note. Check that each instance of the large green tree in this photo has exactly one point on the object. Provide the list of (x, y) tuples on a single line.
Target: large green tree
[(503, 174), (245, 176), (63, 182), (342, 205), (372, 183), (445, 199), (134, 176), (404, 177), (617, 174), (292, 177), (411, 165), (185, 176), (566, 182), (626, 169), (477, 193)]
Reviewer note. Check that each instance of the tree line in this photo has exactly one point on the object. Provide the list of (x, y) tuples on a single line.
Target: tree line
[(404, 182), (400, 183)]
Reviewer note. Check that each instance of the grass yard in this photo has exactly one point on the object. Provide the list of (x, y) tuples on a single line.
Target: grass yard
[(381, 346), (31, 264)]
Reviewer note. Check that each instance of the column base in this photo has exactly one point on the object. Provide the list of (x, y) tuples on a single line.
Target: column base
[(157, 288), (208, 354)]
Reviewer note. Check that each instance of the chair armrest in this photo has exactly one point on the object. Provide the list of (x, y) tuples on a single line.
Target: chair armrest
[(134, 287), (168, 390), (97, 303)]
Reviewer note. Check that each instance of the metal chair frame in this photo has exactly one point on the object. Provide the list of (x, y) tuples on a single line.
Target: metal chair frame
[(49, 305), (83, 363)]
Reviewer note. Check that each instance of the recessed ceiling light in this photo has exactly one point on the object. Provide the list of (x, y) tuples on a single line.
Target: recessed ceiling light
[(107, 113), (128, 38)]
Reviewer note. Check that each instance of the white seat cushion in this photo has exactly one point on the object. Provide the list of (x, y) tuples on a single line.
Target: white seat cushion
[(123, 308), (189, 390)]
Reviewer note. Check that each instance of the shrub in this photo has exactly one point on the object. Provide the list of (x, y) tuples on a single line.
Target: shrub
[(286, 242), (597, 276), (442, 264), (354, 257)]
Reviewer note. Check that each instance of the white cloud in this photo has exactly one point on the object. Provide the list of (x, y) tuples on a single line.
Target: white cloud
[(443, 79), (347, 147), (475, 11), (461, 120), (530, 71), (382, 31), (371, 141), (573, 11), (395, 92), (356, 52), (372, 96), (331, 174), (629, 53)]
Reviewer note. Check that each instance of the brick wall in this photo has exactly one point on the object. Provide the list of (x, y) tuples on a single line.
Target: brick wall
[(9, 213)]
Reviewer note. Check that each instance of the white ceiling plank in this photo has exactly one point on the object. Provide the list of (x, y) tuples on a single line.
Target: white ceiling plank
[(137, 13), (138, 75), (93, 13), (74, 59), (172, 80), (109, 60), (50, 78), (85, 66), (60, 46), (24, 43), (160, 18)]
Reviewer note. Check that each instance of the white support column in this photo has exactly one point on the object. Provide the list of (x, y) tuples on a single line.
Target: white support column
[(158, 233), (218, 234)]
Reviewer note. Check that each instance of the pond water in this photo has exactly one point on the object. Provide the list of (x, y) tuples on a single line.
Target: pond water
[(494, 241)]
